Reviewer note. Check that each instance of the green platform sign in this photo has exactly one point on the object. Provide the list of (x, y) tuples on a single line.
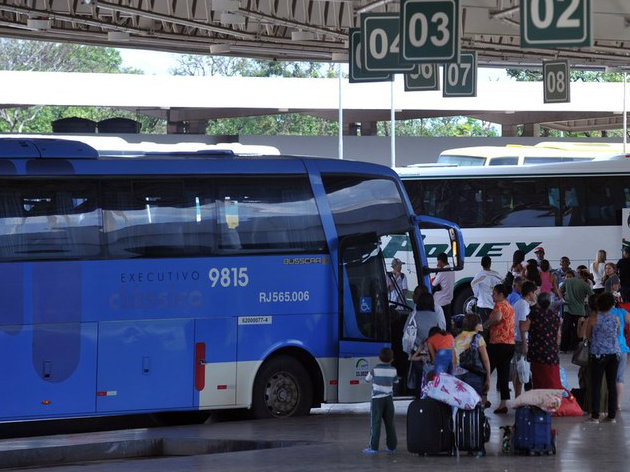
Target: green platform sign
[(429, 31), (357, 74), (460, 78), (556, 23), (556, 81), (380, 39), (423, 77)]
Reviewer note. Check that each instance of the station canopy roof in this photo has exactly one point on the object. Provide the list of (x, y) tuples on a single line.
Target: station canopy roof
[(593, 105), (302, 30)]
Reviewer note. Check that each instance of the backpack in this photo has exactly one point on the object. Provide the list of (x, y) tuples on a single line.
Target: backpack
[(409, 334)]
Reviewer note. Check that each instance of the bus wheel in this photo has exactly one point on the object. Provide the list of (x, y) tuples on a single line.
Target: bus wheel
[(460, 297), (282, 388)]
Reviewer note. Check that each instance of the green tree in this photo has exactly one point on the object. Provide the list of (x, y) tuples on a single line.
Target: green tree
[(280, 124), (446, 126), (535, 75), (20, 55)]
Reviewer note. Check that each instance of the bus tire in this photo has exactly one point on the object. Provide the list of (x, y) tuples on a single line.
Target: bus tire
[(282, 388), (460, 297)]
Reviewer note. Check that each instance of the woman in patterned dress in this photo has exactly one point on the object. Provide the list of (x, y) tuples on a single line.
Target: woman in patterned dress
[(543, 326)]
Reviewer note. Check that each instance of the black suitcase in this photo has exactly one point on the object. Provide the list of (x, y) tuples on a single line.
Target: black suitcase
[(472, 431), (429, 427)]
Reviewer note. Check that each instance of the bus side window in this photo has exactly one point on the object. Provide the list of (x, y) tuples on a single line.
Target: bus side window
[(11, 220)]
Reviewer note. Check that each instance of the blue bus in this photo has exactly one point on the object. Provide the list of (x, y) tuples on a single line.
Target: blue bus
[(194, 280)]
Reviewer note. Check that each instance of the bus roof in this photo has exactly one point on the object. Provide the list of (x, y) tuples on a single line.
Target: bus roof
[(117, 146), (513, 150), (618, 164), (61, 157), (582, 146)]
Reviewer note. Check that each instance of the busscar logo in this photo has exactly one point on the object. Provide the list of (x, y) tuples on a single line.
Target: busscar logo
[(304, 260)]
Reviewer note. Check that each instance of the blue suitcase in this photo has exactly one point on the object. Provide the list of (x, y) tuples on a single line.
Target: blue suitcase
[(532, 432)]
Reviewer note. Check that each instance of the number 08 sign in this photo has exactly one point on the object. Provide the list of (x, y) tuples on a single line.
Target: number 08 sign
[(557, 80)]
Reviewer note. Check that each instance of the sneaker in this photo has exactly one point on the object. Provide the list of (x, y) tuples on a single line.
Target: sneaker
[(609, 420), (390, 451), (591, 420), (369, 450)]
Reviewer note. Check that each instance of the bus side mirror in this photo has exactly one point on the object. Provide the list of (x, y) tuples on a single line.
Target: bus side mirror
[(441, 236)]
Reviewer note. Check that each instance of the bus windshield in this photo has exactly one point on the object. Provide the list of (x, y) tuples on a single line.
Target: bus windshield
[(461, 160)]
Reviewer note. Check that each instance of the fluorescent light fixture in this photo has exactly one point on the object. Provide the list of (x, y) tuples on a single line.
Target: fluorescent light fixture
[(117, 36), (303, 36), (225, 5), (232, 19), (340, 57), (38, 24), (219, 48)]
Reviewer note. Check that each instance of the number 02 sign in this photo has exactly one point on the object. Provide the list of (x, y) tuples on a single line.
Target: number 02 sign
[(556, 23), (557, 80)]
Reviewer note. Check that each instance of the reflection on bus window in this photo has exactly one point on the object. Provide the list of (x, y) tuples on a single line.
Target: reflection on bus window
[(359, 203), (522, 202), (41, 220), (133, 217)]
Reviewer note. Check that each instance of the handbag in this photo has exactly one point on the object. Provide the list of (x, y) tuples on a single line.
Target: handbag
[(581, 354), (470, 359), (410, 334)]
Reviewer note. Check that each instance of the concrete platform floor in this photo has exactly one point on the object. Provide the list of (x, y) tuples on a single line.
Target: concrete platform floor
[(331, 438)]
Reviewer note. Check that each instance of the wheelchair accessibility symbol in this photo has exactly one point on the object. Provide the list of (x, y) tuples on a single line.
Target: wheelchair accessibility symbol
[(365, 305)]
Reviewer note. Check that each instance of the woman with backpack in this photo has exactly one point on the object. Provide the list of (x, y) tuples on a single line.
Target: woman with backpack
[(470, 338)]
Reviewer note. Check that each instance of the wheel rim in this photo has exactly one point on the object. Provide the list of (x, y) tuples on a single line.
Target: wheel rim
[(282, 394)]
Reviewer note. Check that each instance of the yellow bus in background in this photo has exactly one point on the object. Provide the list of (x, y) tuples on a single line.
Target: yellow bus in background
[(513, 154)]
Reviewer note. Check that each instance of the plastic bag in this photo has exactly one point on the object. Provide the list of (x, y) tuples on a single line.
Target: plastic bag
[(523, 370)]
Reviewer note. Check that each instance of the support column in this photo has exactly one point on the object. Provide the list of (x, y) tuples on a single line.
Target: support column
[(187, 127), (368, 128), (509, 131), (531, 130)]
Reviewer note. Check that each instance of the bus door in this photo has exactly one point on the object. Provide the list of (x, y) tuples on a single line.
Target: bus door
[(364, 326)]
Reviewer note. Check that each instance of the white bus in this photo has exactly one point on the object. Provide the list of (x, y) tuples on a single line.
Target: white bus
[(514, 154), (571, 209)]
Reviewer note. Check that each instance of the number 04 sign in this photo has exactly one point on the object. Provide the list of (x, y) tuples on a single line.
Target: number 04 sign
[(557, 80)]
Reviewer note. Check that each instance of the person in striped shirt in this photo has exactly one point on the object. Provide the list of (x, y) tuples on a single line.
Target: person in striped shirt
[(383, 376)]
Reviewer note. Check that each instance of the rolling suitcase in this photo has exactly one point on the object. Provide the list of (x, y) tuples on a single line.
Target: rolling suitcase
[(472, 431), (532, 432), (429, 427)]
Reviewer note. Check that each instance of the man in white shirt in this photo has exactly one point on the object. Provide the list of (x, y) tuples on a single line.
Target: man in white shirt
[(482, 285), (521, 312), (443, 286)]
